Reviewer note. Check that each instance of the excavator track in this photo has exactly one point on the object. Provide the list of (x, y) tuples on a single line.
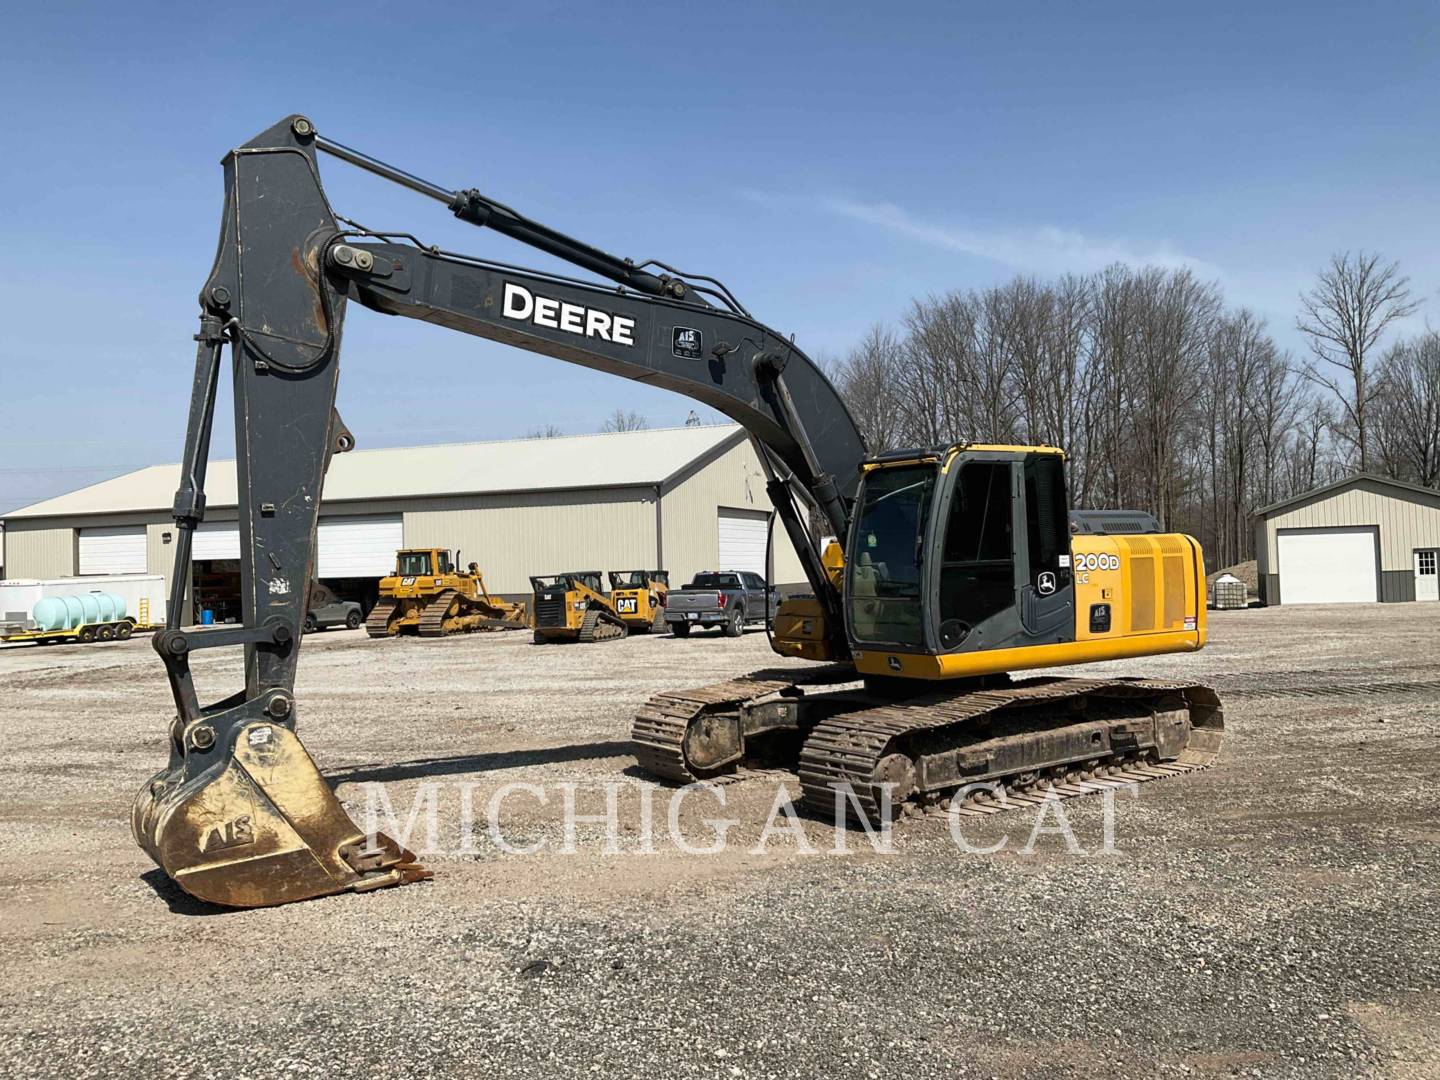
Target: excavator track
[(1035, 734), (599, 626), (659, 729), (377, 625), (1039, 738)]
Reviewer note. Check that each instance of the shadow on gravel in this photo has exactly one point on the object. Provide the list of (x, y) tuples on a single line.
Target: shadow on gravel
[(507, 759), (177, 899)]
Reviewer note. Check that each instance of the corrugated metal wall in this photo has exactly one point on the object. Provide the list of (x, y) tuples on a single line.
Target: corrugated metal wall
[(515, 536), (691, 519), (39, 549), (1407, 521)]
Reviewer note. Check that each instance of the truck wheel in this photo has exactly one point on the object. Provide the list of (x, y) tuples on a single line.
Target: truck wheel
[(310, 624), (353, 620), (735, 624), (105, 633), (680, 629), (124, 630), (87, 635)]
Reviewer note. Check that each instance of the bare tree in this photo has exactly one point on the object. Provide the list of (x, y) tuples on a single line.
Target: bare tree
[(868, 379), (545, 431), (1408, 410), (623, 420), (1354, 300), (1274, 407)]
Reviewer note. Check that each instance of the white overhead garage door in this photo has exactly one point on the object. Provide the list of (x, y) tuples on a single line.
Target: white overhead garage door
[(1328, 566), (359, 546), (113, 549), (216, 540), (349, 546), (742, 540)]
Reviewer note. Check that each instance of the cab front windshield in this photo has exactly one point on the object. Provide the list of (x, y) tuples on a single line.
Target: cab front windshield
[(885, 569), (633, 579), (413, 563)]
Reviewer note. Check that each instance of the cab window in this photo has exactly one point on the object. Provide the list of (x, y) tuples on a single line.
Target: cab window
[(414, 563), (977, 572), (1047, 519), (884, 576)]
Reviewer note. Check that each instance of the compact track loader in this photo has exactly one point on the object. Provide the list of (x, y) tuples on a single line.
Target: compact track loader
[(638, 597), (573, 607), (956, 566), (429, 596)]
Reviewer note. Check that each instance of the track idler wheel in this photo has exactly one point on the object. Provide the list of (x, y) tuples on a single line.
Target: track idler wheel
[(246, 820)]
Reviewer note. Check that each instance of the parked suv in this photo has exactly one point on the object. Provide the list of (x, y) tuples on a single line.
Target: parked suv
[(725, 598), (344, 613)]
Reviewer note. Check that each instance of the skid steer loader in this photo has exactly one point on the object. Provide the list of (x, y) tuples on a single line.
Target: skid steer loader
[(638, 597), (573, 607)]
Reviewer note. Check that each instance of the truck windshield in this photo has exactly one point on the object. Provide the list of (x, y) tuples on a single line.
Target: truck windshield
[(885, 566), (413, 563)]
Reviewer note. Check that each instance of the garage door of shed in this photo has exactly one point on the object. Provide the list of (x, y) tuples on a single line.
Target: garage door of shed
[(348, 546), (741, 536), (1329, 566), (112, 550)]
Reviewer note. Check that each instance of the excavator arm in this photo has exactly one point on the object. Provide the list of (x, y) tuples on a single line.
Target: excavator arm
[(240, 816)]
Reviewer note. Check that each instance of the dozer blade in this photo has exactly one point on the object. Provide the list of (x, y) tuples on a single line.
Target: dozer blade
[(260, 827)]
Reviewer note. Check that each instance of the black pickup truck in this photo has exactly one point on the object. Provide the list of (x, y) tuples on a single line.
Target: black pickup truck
[(725, 598)]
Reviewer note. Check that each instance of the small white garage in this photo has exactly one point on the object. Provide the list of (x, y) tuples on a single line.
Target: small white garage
[(1356, 541)]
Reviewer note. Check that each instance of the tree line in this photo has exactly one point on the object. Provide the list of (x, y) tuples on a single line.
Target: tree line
[(1164, 397)]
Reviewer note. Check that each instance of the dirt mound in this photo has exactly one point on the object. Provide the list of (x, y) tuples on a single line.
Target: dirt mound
[(1245, 571)]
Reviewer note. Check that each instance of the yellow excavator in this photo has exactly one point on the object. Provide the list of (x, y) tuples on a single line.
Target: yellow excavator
[(638, 597), (955, 567), (573, 607), (428, 595)]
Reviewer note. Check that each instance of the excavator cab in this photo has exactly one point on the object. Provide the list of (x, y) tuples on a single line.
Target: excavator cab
[(639, 596), (962, 563), (572, 607)]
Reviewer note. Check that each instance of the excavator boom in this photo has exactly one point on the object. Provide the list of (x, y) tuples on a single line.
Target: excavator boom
[(240, 814)]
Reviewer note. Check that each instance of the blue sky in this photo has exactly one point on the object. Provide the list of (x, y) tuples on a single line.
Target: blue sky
[(828, 161)]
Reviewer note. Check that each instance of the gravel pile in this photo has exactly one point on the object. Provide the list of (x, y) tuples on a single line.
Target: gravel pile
[(1273, 916)]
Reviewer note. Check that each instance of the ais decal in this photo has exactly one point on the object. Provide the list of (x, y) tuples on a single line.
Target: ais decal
[(524, 306)]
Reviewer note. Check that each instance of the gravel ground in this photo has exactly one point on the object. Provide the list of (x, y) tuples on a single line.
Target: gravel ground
[(1273, 916)]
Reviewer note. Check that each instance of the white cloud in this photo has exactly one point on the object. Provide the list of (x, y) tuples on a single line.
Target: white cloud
[(1042, 249)]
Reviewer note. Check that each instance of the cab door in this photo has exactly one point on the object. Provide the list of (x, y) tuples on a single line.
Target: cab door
[(1042, 557)]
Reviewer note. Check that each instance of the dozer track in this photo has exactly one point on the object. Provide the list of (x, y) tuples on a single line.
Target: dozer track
[(437, 620), (600, 625), (433, 614), (1036, 735), (377, 624)]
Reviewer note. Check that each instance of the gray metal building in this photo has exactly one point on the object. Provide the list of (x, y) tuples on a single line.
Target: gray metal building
[(1359, 540), (683, 499)]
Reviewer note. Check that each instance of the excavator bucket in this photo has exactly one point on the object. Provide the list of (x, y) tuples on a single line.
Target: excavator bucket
[(259, 826)]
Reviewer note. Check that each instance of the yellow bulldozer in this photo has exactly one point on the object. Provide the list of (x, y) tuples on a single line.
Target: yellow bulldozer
[(638, 597), (428, 595), (573, 607)]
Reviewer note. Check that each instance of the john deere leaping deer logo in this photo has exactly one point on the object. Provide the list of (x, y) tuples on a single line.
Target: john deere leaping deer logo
[(234, 833)]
